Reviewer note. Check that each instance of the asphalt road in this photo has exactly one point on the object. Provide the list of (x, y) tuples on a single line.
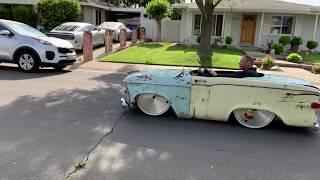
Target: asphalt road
[(49, 121)]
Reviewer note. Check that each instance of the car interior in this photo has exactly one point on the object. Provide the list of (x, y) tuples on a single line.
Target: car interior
[(202, 71)]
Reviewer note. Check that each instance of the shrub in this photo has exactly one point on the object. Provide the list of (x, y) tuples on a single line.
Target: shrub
[(267, 63), (56, 12), (229, 40), (294, 58), (25, 14), (312, 45), (5, 13), (316, 68), (285, 40), (278, 47), (296, 41)]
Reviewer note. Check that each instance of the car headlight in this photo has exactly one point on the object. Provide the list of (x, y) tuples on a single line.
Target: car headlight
[(43, 42)]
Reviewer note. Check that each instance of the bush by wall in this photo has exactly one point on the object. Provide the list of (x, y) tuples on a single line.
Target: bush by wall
[(5, 13), (267, 63), (55, 12), (278, 48), (285, 40), (229, 40), (25, 14)]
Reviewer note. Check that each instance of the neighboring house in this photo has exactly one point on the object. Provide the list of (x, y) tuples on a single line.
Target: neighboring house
[(93, 11), (253, 22)]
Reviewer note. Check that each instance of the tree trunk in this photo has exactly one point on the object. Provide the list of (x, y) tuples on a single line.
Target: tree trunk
[(158, 21), (205, 37)]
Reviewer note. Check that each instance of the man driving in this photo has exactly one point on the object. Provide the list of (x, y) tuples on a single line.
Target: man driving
[(246, 65)]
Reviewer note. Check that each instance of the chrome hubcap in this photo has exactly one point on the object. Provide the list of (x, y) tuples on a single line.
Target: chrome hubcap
[(254, 118), (153, 104), (26, 62)]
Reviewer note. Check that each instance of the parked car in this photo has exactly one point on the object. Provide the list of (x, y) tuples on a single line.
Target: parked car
[(254, 101), (73, 32), (116, 27), (31, 49)]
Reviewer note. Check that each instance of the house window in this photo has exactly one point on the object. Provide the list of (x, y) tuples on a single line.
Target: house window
[(217, 23), (197, 25), (281, 25), (98, 17)]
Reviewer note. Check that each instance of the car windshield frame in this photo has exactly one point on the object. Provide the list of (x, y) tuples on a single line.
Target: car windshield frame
[(24, 29)]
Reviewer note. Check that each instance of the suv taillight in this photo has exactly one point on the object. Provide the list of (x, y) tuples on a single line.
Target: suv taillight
[(315, 105)]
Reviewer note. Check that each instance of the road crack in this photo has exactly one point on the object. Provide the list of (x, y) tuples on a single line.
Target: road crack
[(83, 163)]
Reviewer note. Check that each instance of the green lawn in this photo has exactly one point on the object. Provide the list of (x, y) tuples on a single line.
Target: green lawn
[(311, 58), (175, 55)]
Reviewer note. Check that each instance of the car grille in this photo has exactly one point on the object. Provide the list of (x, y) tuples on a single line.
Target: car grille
[(62, 36), (65, 50)]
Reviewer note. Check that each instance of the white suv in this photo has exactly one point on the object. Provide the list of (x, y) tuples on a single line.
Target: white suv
[(31, 49)]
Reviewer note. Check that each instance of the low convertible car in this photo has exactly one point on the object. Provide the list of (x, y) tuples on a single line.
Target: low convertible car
[(254, 101)]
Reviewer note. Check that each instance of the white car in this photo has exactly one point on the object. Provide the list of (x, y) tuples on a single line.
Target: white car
[(73, 32), (116, 27), (31, 49)]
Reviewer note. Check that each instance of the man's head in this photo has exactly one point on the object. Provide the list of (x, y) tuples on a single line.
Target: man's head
[(246, 62)]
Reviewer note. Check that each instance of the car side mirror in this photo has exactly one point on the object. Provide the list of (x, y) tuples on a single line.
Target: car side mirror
[(5, 33)]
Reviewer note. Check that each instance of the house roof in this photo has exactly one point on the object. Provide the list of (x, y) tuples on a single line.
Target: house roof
[(96, 3), (258, 6), (31, 2)]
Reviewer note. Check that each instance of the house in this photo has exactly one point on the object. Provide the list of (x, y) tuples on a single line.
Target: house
[(253, 22), (93, 11)]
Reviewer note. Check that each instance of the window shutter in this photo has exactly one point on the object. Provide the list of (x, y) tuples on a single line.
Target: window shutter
[(227, 24), (298, 25), (266, 25)]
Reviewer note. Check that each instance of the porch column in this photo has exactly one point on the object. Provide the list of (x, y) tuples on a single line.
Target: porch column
[(261, 26), (223, 23), (315, 27)]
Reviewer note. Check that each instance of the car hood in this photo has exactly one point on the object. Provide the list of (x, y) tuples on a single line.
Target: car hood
[(169, 77), (57, 42)]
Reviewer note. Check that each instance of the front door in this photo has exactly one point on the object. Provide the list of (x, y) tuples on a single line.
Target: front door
[(248, 28)]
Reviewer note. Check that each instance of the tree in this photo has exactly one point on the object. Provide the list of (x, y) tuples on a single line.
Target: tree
[(157, 10), (55, 12), (206, 9)]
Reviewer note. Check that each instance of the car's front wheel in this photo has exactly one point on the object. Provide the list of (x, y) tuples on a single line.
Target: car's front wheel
[(27, 61), (254, 118), (153, 104)]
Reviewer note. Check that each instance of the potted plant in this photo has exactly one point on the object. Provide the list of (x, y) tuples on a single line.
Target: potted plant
[(295, 43)]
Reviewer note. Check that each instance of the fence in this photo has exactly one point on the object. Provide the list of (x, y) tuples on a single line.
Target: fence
[(170, 29)]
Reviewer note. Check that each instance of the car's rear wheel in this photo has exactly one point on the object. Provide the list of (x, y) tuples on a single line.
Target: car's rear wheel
[(253, 118), (153, 104), (27, 61)]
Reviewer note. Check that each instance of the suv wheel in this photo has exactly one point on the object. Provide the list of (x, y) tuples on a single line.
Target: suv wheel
[(27, 61)]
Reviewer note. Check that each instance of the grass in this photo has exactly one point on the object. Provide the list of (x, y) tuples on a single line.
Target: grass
[(175, 55), (313, 58)]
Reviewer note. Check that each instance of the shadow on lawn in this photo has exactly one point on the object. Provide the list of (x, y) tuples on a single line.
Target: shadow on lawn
[(150, 45)]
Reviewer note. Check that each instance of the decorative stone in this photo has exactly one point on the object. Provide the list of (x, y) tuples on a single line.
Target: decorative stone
[(142, 34), (275, 68), (134, 36), (123, 38), (87, 46), (108, 41)]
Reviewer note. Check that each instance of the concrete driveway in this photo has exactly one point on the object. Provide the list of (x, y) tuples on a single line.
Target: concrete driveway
[(49, 122)]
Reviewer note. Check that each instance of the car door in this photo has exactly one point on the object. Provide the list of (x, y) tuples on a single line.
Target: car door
[(5, 46), (96, 39), (200, 91)]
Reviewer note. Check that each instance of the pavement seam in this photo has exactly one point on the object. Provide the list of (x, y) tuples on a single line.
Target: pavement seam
[(83, 163)]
